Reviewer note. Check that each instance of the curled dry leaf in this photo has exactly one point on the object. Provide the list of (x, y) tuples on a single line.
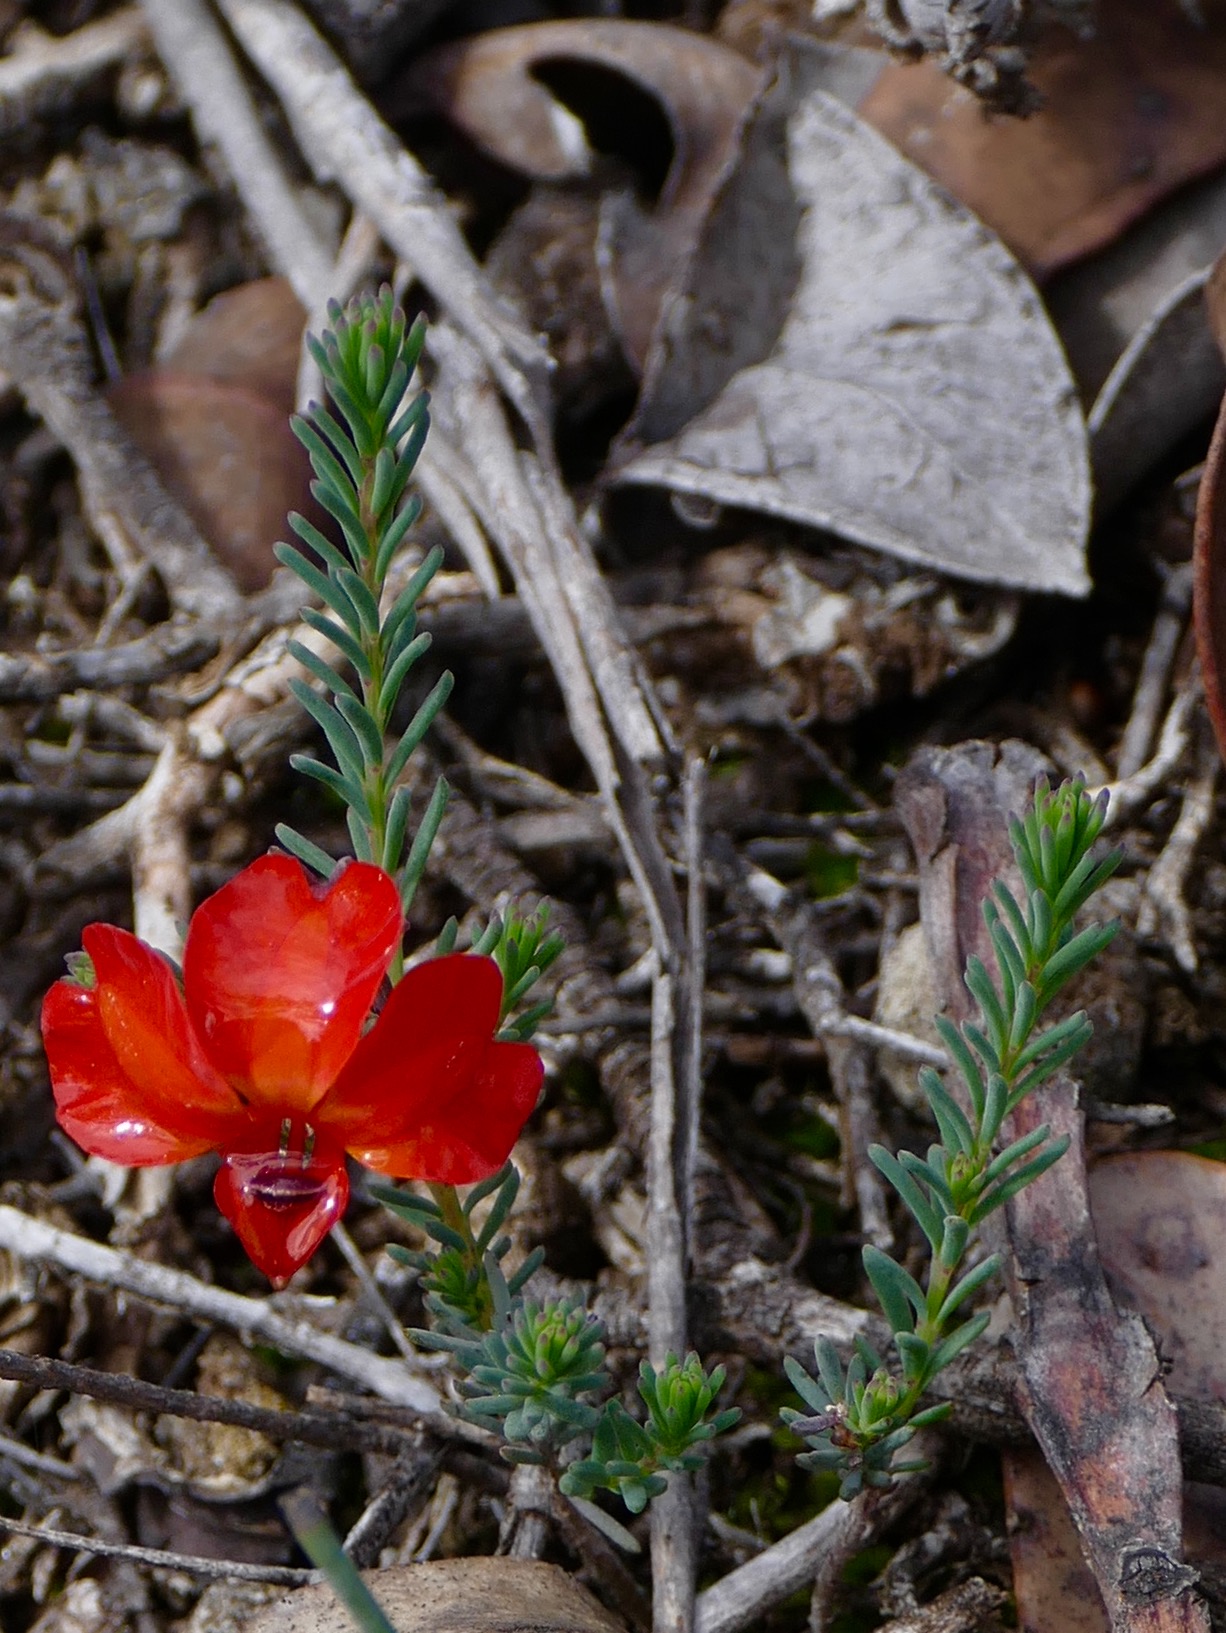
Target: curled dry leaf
[(490, 87), (453, 1596), (1129, 115), (850, 348), (213, 422), (1160, 1219), (1209, 580), (1168, 378)]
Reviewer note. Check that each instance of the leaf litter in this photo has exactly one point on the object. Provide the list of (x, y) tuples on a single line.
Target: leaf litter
[(801, 338)]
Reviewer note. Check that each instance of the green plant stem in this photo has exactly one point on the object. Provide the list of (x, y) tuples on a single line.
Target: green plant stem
[(448, 1200)]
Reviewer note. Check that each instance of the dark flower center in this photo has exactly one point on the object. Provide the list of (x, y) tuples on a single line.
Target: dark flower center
[(284, 1184)]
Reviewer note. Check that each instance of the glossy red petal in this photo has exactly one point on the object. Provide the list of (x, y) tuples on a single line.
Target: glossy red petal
[(425, 1049), (280, 974), (131, 1081), (471, 1136), (282, 1205)]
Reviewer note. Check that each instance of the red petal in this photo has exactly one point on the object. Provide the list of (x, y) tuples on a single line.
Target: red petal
[(130, 1079), (428, 1094), (472, 1137), (282, 1206), (280, 975)]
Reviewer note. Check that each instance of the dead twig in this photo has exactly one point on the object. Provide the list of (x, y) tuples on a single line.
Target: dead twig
[(28, 1238), (225, 1570), (746, 1594), (195, 49)]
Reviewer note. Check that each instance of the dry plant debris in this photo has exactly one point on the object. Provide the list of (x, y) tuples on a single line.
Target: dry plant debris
[(771, 576)]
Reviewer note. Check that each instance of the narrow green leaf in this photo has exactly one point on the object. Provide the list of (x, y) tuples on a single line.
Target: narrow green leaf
[(1018, 1181), (930, 1171), (360, 594), (969, 1285), (1025, 1008), (953, 1243), (955, 1130), (357, 717), (341, 739), (391, 395), (306, 851), (953, 1040), (1021, 1147), (327, 467), (397, 824), (981, 1046), (333, 779), (1007, 901), (395, 677), (359, 835), (979, 985), (381, 487), (328, 591), (340, 638), (319, 542), (926, 1215), (394, 535), (1072, 957), (913, 1352), (995, 1109), (898, 1293), (322, 670), (1075, 1026), (829, 1368), (415, 866), (420, 725), (961, 1338)]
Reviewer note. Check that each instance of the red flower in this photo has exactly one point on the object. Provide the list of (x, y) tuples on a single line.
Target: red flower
[(261, 1055)]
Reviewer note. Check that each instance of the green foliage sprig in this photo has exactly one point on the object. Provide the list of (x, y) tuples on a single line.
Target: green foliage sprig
[(628, 1457), (363, 450), (536, 1371), (533, 1370), (860, 1419)]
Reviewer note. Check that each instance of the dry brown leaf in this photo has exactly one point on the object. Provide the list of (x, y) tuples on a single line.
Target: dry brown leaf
[(488, 86), (227, 455), (213, 421), (250, 336), (853, 350), (1129, 115)]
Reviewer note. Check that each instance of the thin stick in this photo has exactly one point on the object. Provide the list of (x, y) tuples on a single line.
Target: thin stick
[(254, 1318), (345, 141), (194, 48), (374, 1293), (229, 1570), (337, 1430)]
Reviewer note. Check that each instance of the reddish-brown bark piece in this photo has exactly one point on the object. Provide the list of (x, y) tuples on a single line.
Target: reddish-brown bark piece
[(1209, 576), (1091, 1388)]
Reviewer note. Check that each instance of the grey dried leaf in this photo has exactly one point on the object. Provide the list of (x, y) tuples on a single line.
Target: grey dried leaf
[(852, 349), (1169, 378)]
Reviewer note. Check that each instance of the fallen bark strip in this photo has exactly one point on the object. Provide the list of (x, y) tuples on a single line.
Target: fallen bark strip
[(1091, 1385)]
